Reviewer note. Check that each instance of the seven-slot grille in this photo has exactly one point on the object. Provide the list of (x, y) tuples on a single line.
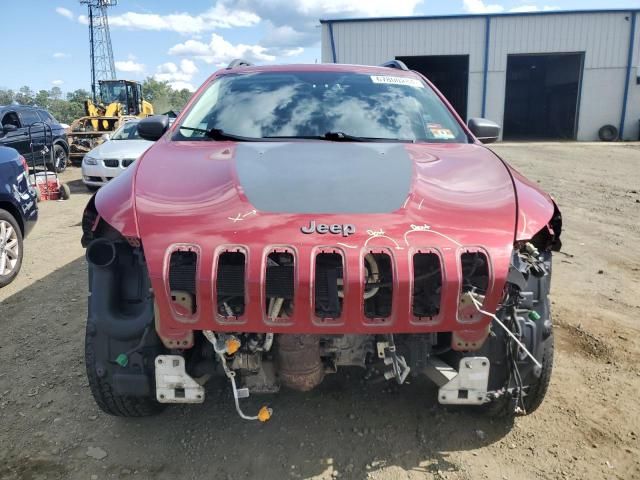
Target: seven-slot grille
[(231, 297)]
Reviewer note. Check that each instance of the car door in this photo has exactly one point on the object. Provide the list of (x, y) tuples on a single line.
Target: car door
[(19, 138), (29, 117)]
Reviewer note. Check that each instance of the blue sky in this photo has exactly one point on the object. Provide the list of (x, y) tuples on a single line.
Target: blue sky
[(184, 42)]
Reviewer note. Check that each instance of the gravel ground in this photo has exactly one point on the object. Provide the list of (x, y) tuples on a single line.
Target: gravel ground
[(587, 428)]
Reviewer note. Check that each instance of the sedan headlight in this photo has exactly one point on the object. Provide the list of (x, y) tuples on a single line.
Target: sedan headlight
[(90, 160)]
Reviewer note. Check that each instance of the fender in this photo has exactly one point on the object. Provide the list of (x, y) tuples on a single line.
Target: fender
[(535, 208), (115, 202)]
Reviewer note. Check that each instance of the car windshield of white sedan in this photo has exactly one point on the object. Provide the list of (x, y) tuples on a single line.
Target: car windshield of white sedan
[(320, 105), (129, 131)]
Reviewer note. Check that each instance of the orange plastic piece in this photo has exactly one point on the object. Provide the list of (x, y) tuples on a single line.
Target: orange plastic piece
[(233, 345), (264, 414)]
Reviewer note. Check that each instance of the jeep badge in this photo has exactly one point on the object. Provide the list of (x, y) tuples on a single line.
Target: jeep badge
[(345, 229)]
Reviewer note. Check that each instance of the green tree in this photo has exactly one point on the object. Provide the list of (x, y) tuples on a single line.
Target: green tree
[(6, 97), (42, 99), (163, 97), (25, 96)]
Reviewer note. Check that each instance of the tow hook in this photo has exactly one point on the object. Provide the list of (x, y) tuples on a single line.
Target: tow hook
[(228, 345)]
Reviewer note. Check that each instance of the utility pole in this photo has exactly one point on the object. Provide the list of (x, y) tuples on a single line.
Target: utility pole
[(100, 50)]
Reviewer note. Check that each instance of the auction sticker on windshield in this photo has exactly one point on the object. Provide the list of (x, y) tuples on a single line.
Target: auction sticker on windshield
[(439, 132), (409, 82)]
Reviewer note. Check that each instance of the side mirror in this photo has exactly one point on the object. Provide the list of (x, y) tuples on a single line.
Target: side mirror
[(152, 128), (106, 137), (484, 130), (9, 128)]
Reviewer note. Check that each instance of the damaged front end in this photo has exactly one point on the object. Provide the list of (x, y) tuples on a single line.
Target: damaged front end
[(134, 368)]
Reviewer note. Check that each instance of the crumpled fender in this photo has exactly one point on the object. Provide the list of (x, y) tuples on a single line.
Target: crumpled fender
[(535, 207), (115, 203)]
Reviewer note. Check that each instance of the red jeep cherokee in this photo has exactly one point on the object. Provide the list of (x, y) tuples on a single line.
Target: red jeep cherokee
[(296, 219)]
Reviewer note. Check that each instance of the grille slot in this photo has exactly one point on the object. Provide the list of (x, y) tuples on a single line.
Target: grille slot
[(329, 285), (127, 161), (475, 272), (230, 284), (427, 285), (475, 277), (182, 280), (111, 162), (279, 285), (378, 285)]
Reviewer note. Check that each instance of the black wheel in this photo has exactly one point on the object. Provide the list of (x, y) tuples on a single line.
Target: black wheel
[(535, 393), (65, 192), (60, 159), (511, 369), (10, 248), (608, 133), (103, 391)]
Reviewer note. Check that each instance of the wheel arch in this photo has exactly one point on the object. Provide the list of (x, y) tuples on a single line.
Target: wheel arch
[(14, 212)]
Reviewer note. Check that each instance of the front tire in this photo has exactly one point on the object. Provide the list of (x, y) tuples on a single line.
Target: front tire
[(11, 251), (60, 159), (103, 391)]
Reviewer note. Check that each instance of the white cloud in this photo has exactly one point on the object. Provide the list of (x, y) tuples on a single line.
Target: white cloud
[(219, 16), (478, 6), (293, 23), (59, 55), (220, 51), (56, 83), (328, 8), (178, 85), (65, 12), (178, 76), (532, 8), (291, 52), (129, 66)]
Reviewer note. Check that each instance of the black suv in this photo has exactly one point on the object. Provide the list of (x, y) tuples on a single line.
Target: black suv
[(14, 132)]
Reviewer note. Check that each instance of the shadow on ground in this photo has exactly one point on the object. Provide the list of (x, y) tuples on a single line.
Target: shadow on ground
[(347, 424)]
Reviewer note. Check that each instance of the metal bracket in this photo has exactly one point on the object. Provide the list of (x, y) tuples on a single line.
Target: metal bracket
[(173, 384), (467, 386)]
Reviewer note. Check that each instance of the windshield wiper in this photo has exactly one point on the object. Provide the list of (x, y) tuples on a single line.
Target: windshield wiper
[(219, 134), (342, 137)]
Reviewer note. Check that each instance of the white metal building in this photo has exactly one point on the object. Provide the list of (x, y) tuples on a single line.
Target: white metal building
[(541, 75)]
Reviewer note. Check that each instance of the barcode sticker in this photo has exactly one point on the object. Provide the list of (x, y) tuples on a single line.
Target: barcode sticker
[(409, 82)]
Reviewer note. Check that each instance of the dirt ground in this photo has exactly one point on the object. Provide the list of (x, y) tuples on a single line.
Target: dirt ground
[(588, 427)]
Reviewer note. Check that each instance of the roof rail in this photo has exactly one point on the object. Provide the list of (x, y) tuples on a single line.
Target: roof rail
[(238, 62), (395, 64)]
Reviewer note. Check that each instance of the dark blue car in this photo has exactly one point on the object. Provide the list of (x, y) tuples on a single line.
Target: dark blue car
[(18, 212)]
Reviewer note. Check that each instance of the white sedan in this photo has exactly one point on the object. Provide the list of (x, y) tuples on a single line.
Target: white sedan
[(112, 157)]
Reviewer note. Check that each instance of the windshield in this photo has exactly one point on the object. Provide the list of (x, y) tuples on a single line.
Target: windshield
[(314, 104), (128, 131), (111, 92)]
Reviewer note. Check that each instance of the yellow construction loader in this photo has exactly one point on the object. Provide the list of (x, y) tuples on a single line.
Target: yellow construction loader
[(119, 102)]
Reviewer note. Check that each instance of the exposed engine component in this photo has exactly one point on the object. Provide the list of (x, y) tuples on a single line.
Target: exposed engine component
[(329, 285), (300, 365), (279, 285), (230, 287), (427, 284), (182, 280), (399, 368), (347, 350), (228, 345), (378, 285)]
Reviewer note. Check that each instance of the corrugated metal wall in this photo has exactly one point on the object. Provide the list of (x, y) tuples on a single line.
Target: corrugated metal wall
[(604, 37)]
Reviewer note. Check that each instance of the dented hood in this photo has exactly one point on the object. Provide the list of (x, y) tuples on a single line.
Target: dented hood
[(223, 191)]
